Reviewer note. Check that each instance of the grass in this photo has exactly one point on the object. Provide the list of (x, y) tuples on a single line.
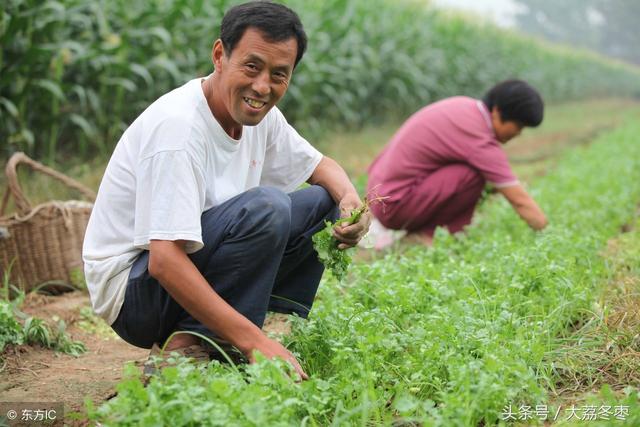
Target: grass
[(605, 348), (17, 328), (450, 336), (566, 126)]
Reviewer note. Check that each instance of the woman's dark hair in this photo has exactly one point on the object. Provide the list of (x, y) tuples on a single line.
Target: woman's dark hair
[(276, 22), (516, 101)]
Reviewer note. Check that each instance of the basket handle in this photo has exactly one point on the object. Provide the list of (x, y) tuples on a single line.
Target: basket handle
[(23, 205)]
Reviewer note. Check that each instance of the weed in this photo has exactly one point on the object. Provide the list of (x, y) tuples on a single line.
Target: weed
[(33, 330), (326, 245), (65, 344), (10, 329), (36, 331)]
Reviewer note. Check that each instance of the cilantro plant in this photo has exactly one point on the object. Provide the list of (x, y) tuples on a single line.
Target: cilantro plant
[(335, 259)]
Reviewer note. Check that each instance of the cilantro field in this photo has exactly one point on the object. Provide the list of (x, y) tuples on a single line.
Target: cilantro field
[(466, 333)]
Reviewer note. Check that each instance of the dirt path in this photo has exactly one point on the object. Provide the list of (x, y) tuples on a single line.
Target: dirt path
[(35, 374)]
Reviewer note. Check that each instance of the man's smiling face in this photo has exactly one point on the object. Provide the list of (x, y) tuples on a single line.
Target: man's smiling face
[(253, 77)]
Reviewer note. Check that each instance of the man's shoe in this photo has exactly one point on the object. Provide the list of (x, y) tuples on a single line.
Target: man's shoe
[(215, 354)]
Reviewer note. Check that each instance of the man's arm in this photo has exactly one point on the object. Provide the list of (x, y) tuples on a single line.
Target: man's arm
[(330, 175), (525, 206), (170, 265)]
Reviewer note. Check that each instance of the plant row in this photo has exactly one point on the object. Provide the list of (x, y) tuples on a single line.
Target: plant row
[(448, 336)]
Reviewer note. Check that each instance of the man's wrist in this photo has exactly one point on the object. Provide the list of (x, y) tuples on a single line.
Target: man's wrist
[(248, 339), (350, 201)]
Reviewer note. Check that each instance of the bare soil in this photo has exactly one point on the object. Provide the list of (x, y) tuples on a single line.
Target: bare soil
[(37, 374)]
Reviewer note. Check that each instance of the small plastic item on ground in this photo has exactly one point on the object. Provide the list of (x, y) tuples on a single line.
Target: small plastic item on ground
[(379, 237)]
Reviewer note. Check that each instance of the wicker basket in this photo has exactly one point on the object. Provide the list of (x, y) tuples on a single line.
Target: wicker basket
[(42, 244)]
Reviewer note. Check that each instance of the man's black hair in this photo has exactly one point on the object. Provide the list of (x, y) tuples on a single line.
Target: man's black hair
[(275, 21), (517, 101)]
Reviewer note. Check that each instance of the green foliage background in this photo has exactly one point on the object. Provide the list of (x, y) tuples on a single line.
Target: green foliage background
[(74, 73)]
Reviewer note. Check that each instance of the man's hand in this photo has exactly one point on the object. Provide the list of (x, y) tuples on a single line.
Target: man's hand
[(271, 349), (350, 234), (334, 179)]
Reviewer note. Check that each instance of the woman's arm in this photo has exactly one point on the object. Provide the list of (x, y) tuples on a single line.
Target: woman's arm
[(525, 206)]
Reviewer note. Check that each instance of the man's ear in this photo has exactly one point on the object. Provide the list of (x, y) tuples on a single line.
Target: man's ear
[(217, 52)]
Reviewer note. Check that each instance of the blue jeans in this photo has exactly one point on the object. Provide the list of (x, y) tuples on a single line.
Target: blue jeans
[(257, 255)]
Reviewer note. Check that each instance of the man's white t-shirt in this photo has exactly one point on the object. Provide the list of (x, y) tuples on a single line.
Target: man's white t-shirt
[(173, 163)]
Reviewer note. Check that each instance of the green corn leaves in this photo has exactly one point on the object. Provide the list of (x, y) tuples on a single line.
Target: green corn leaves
[(367, 61), (75, 73)]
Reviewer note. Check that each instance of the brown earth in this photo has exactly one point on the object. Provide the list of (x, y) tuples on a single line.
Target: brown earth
[(36, 374)]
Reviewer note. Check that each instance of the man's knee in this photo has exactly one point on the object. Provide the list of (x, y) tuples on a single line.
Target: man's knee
[(270, 207)]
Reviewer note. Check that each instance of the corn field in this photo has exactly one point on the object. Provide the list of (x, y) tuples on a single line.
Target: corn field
[(74, 73)]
